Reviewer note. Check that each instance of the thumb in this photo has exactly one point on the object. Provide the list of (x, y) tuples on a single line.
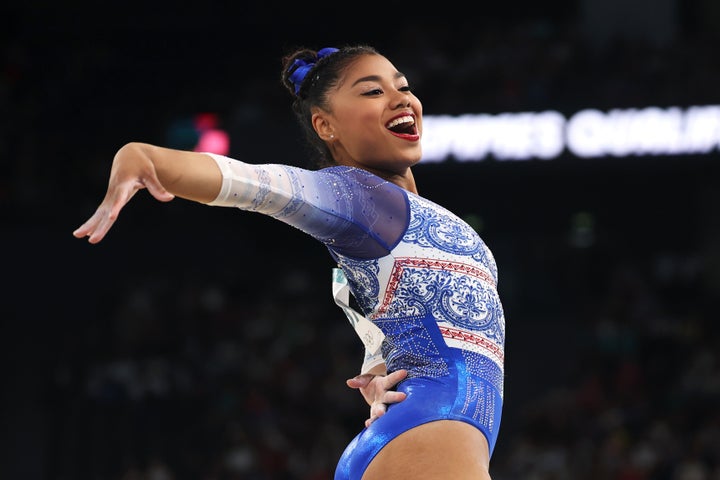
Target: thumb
[(156, 189)]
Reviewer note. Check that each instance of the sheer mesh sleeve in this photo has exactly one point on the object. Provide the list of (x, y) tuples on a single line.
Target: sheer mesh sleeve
[(352, 211)]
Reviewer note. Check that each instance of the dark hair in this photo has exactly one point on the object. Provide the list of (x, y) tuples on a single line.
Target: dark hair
[(313, 89)]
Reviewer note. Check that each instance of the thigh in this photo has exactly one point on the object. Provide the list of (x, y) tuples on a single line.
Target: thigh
[(433, 451)]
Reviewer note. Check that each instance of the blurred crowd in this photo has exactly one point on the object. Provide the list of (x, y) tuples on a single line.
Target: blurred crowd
[(231, 363), (187, 378)]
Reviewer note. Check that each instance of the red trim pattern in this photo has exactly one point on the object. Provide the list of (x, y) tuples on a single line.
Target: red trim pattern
[(423, 263), (464, 336)]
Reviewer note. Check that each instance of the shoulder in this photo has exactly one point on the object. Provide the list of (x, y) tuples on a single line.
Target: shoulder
[(360, 177)]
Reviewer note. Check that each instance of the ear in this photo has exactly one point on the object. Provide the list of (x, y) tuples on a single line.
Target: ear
[(322, 125)]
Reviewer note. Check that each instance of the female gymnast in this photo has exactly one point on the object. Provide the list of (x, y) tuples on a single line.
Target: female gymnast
[(425, 281)]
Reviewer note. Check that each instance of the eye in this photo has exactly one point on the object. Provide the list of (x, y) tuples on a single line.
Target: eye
[(374, 91), (406, 88)]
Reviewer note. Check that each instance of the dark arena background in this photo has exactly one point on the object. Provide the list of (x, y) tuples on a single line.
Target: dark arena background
[(581, 138)]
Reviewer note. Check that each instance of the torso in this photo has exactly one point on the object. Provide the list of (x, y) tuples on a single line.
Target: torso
[(418, 272)]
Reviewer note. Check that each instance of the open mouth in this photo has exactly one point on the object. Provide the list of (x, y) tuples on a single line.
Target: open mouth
[(403, 125)]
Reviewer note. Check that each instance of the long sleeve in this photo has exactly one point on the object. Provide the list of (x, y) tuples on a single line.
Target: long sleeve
[(349, 210)]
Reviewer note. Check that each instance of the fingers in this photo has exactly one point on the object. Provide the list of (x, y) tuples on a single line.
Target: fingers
[(377, 410), (96, 226), (394, 397), (379, 407), (132, 170), (360, 381), (394, 378), (378, 391), (102, 228), (82, 230)]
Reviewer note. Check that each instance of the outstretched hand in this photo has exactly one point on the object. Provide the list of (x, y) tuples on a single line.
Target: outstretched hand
[(131, 171), (377, 391)]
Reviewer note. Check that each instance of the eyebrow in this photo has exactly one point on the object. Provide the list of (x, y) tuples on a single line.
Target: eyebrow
[(375, 78)]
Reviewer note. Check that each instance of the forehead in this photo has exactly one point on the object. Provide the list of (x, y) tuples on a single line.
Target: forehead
[(367, 66)]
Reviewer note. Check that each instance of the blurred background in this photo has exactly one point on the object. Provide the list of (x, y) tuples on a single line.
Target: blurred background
[(203, 343)]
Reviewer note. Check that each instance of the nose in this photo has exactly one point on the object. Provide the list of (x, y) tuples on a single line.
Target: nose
[(403, 100)]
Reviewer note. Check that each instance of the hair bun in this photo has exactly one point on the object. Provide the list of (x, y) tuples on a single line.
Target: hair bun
[(300, 67)]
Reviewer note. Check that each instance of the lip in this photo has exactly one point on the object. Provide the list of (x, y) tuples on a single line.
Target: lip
[(412, 137)]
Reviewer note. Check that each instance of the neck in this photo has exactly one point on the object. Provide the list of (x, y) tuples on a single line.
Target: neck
[(402, 177), (406, 180), (400, 174)]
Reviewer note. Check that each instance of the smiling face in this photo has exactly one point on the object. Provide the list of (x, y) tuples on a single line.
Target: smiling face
[(374, 121)]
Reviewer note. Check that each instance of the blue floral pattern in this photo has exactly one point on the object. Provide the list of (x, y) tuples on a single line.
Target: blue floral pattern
[(420, 273)]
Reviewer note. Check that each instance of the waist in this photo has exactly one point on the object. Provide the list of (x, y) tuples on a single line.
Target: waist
[(453, 371)]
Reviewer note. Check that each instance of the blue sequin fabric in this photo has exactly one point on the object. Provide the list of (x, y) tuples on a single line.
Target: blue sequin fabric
[(418, 272)]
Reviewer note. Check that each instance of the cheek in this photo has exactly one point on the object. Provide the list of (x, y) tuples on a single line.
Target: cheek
[(358, 112), (360, 126), (365, 119)]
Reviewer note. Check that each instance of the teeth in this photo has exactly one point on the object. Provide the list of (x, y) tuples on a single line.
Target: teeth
[(399, 120)]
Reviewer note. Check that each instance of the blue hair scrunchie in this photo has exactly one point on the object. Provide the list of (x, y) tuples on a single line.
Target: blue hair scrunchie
[(302, 67)]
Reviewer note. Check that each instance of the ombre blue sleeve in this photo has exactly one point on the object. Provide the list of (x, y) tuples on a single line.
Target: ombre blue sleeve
[(350, 210)]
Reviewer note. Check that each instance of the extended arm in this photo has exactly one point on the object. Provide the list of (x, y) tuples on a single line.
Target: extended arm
[(168, 173)]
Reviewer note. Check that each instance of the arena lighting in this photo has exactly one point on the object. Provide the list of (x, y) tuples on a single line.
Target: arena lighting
[(200, 132), (588, 133)]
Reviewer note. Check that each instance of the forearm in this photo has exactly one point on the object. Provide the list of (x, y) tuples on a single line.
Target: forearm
[(185, 174)]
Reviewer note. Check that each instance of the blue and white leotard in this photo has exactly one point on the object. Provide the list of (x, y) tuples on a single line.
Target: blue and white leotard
[(418, 272)]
